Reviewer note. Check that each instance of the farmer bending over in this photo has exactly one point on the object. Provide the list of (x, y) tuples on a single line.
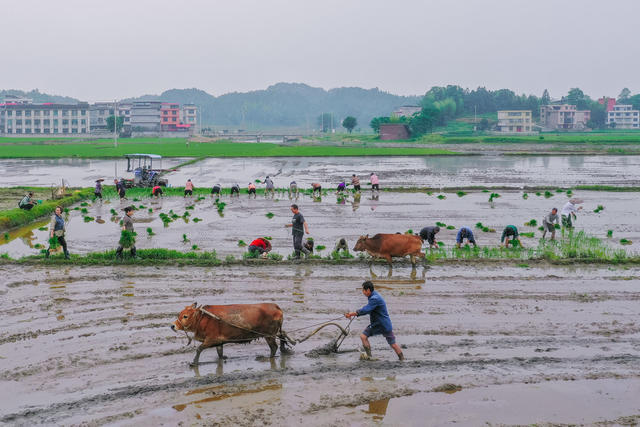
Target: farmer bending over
[(510, 233), (375, 182), (376, 308), (341, 245), (188, 188), (252, 189), (429, 234), (465, 233), (269, 189), (235, 189), (216, 190), (547, 223), (316, 187), (568, 213), (260, 246), (157, 191)]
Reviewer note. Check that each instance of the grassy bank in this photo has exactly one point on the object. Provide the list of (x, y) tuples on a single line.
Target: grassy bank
[(16, 217), (16, 148)]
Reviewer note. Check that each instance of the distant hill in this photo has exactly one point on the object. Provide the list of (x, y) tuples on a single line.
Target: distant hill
[(287, 105), (38, 97)]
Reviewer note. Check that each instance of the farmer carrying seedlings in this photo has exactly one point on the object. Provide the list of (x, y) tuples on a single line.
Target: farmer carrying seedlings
[(380, 324), (355, 181), (127, 226), (568, 211), (120, 188), (260, 246), (465, 233), (98, 189), (429, 234), (298, 228), (509, 234), (547, 223), (57, 229)]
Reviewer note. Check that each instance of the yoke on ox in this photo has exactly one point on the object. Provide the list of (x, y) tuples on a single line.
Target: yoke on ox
[(391, 245), (216, 325)]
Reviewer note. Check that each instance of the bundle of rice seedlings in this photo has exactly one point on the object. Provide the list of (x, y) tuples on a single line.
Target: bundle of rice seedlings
[(127, 238), (531, 223), (440, 224), (525, 196), (461, 193), (150, 231), (493, 196), (450, 227), (441, 196), (88, 218), (242, 243), (269, 215)]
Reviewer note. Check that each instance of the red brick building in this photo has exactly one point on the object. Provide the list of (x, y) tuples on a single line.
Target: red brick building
[(394, 131)]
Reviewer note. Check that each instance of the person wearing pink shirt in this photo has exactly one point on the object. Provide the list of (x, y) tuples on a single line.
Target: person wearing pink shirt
[(188, 188), (374, 181)]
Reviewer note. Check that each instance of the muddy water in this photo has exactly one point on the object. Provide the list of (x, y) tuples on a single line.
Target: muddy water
[(77, 172), (92, 345), (433, 171), (329, 220)]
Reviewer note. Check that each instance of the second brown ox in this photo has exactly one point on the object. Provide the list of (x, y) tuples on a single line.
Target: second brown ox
[(390, 245), (216, 325)]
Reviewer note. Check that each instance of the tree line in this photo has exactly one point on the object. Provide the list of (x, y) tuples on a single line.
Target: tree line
[(443, 104)]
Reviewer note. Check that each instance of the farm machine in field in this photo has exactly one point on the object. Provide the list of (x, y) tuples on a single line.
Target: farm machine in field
[(144, 173)]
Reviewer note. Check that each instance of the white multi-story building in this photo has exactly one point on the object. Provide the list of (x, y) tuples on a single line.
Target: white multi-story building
[(18, 119), (623, 116), (100, 111), (514, 121), (189, 116)]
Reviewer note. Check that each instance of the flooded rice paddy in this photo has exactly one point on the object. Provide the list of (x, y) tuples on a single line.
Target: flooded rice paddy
[(430, 171), (497, 344), (330, 219)]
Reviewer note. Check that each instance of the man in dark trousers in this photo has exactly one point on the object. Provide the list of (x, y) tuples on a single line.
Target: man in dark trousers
[(428, 234), (299, 227), (376, 308)]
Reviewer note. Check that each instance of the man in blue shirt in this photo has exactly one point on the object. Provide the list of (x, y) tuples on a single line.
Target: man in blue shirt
[(465, 233), (376, 308)]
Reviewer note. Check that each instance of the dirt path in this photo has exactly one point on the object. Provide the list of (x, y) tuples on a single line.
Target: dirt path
[(93, 345)]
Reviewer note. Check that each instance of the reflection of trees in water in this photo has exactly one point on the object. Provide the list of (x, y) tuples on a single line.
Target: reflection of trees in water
[(378, 407), (576, 162)]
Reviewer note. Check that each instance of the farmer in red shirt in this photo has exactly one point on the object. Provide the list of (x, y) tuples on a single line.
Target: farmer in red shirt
[(260, 246)]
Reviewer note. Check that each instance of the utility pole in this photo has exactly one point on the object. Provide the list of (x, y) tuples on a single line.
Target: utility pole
[(115, 123), (475, 118)]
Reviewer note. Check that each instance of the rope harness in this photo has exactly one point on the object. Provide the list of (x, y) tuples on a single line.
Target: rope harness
[(282, 335)]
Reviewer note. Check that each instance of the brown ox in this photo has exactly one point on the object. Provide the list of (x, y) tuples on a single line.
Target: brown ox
[(390, 245), (222, 324)]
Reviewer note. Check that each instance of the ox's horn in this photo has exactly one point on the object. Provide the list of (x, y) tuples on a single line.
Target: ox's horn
[(195, 304)]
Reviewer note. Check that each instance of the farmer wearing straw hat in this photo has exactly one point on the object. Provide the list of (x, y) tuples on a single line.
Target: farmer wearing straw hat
[(568, 211), (57, 228)]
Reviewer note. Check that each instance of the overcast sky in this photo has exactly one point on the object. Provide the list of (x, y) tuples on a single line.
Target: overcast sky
[(99, 50)]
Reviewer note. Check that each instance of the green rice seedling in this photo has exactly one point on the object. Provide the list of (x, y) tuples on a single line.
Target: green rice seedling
[(485, 229), (274, 256), (531, 223), (451, 227), (548, 194), (88, 218), (257, 181), (120, 223), (242, 243), (174, 216), (609, 233), (320, 248), (186, 214), (409, 231), (6, 256), (491, 230), (523, 265), (150, 231), (127, 238), (185, 239), (429, 193), (538, 193), (441, 244), (38, 246), (598, 209), (194, 247), (250, 255), (113, 212), (150, 210), (190, 207), (84, 204), (268, 237), (525, 196), (66, 210), (441, 224), (53, 242), (479, 225), (625, 242), (569, 193), (541, 228), (135, 199), (76, 208), (461, 193), (485, 191), (270, 215), (229, 258), (196, 220), (557, 226), (200, 198), (441, 196), (42, 228), (559, 190), (528, 234), (493, 196)]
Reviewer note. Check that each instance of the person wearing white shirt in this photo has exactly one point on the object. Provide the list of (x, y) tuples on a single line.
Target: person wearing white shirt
[(568, 214)]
